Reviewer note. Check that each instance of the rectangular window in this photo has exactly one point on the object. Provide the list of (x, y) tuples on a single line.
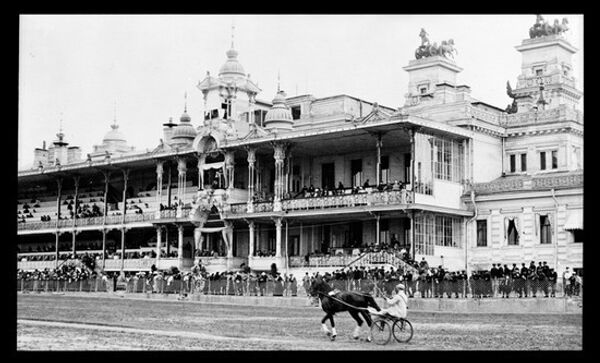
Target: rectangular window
[(512, 163), (539, 72), (356, 170), (554, 154), (423, 90), (543, 160), (523, 162), (384, 231), (448, 159), (295, 112), (482, 233), (512, 233), (385, 169), (432, 230), (545, 230)]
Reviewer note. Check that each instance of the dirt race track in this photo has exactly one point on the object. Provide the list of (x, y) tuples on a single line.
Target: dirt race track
[(57, 322)]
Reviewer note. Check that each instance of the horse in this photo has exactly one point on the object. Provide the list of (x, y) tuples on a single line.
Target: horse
[(354, 303)]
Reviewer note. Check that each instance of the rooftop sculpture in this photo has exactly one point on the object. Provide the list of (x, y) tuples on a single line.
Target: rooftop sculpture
[(542, 28), (426, 49)]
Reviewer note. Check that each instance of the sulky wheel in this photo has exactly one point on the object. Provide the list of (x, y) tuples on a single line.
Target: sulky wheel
[(403, 330), (381, 332)]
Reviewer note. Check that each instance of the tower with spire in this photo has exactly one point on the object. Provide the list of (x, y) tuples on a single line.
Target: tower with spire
[(113, 143), (279, 117), (229, 98), (184, 133)]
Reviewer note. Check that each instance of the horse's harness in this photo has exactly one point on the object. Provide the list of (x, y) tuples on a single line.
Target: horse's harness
[(342, 301)]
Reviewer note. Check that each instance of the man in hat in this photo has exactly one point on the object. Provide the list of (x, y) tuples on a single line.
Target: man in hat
[(397, 304)]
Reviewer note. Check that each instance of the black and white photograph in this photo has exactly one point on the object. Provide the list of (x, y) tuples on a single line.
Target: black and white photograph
[(300, 182)]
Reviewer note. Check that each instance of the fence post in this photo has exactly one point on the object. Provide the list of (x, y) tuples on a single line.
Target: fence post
[(80, 285), (22, 284)]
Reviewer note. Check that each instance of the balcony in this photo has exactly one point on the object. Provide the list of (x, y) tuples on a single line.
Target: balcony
[(369, 198), (82, 222)]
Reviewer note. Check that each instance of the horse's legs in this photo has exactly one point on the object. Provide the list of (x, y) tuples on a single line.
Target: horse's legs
[(359, 322), (369, 321), (324, 326), (333, 332)]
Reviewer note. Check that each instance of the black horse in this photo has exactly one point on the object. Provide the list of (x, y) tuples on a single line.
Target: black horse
[(348, 301)]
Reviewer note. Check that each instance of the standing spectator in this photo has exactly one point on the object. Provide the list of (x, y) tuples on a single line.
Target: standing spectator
[(262, 283), (293, 284), (552, 277), (495, 279), (306, 283), (567, 281)]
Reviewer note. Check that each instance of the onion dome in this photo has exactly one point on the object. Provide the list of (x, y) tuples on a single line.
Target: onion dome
[(232, 67), (279, 116), (184, 132), (114, 134)]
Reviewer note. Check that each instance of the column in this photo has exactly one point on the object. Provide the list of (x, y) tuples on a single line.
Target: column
[(278, 237), (103, 247), (180, 246), (201, 161), (76, 180), (251, 163), (181, 179), (158, 244), (377, 230), (125, 179), (279, 156), (105, 213), (412, 233), (57, 254), (250, 239), (378, 144), (411, 133), (59, 188), (229, 168), (123, 230), (159, 179)]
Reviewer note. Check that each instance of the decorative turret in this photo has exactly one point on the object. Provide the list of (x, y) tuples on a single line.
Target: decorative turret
[(184, 133), (279, 117)]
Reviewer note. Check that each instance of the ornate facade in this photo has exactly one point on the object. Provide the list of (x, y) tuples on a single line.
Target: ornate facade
[(307, 182)]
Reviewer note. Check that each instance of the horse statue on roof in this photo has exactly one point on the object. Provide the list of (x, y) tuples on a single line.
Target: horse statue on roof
[(333, 301), (542, 28), (426, 49)]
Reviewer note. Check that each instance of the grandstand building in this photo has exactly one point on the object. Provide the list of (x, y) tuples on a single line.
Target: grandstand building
[(462, 183)]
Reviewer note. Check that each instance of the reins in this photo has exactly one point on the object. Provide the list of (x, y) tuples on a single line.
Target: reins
[(341, 301)]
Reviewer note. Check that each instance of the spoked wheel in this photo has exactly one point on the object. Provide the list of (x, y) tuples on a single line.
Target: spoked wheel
[(381, 332), (403, 330)]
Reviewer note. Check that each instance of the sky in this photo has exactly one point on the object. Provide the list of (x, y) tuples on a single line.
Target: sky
[(85, 69)]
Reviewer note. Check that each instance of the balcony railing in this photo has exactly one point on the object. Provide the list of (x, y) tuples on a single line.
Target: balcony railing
[(81, 222), (332, 201), (129, 264)]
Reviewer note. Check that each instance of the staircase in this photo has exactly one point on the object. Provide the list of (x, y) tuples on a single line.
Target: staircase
[(381, 258)]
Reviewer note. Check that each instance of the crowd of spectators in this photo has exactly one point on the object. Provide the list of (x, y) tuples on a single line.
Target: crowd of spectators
[(312, 192)]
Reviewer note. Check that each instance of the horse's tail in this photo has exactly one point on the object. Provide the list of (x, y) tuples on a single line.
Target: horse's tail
[(371, 302)]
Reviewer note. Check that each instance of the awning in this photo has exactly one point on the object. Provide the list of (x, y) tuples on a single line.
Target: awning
[(213, 165), (574, 220)]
